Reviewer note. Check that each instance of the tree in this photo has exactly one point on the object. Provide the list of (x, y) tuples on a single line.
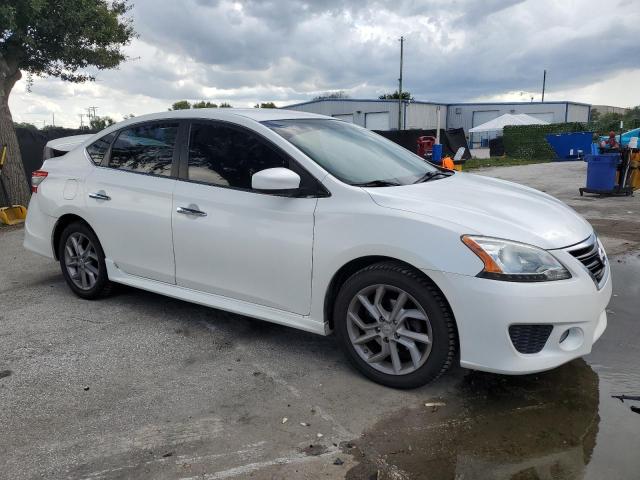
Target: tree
[(203, 104), (100, 123), (265, 105), (30, 126), (181, 105), (330, 95), (57, 38), (396, 96), (225, 105)]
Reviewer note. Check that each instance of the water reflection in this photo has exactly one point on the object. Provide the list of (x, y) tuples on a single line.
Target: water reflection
[(540, 426)]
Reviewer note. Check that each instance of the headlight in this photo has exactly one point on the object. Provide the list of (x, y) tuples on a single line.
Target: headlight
[(515, 262)]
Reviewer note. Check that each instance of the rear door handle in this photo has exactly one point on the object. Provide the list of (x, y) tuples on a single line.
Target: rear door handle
[(99, 196), (191, 211)]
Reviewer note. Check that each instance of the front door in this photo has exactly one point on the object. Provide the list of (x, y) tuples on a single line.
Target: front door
[(129, 200), (231, 240)]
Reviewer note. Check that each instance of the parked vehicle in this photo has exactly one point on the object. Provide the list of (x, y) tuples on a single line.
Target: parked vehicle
[(313, 223)]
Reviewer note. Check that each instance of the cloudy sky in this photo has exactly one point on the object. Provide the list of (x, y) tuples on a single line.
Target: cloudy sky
[(287, 51)]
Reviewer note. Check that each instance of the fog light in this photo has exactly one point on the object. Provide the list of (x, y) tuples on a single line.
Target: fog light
[(571, 339)]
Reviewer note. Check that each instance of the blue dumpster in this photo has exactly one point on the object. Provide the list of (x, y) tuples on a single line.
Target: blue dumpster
[(601, 171), (570, 146)]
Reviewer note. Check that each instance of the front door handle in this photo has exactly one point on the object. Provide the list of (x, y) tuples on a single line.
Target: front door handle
[(99, 196), (191, 211)]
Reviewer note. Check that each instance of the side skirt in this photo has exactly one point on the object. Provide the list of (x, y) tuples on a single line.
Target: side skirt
[(301, 322)]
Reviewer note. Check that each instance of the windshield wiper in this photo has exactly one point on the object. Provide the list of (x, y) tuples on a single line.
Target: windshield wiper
[(431, 175), (377, 183)]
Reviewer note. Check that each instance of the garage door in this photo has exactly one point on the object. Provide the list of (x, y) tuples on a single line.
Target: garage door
[(348, 117), (377, 120)]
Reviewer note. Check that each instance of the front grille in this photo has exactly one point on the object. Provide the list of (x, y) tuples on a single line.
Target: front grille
[(592, 257), (529, 338)]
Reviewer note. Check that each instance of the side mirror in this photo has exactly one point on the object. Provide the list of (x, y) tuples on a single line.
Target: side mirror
[(275, 180)]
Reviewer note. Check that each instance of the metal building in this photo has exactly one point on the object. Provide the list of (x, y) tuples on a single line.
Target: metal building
[(383, 114), (378, 114), (469, 115)]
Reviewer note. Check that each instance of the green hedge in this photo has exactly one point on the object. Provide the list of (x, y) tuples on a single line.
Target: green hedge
[(528, 141)]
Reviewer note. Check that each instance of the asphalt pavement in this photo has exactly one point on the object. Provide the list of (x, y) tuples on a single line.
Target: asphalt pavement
[(143, 386)]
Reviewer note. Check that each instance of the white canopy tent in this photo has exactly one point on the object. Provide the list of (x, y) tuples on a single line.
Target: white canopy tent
[(497, 124)]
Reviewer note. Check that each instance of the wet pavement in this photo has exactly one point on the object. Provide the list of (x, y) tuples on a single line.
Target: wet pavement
[(562, 424), (140, 386)]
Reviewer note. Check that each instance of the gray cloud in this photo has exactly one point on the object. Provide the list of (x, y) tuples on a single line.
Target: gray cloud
[(455, 50), (290, 50)]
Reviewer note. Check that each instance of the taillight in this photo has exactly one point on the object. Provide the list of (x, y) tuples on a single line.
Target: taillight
[(37, 178)]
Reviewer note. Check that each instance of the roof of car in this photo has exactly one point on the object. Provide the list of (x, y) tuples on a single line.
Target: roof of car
[(257, 114)]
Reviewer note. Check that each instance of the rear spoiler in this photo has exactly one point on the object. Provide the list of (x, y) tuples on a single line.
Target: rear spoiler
[(60, 146)]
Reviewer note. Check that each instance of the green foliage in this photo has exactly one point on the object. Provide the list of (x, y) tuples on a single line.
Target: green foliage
[(100, 123), (603, 123), (474, 163), (330, 95), (181, 105), (30, 126), (265, 105), (529, 142), (396, 96), (225, 105), (62, 38), (203, 104)]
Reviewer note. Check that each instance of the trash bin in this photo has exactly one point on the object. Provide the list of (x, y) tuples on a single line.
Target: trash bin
[(436, 154), (601, 171)]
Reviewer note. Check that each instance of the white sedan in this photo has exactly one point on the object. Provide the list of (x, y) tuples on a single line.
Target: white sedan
[(320, 225)]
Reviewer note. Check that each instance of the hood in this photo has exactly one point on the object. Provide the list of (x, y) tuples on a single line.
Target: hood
[(491, 207)]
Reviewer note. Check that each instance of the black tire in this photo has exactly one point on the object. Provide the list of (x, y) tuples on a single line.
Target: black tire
[(444, 334), (102, 287)]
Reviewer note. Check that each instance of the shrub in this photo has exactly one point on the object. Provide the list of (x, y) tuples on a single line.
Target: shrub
[(528, 141)]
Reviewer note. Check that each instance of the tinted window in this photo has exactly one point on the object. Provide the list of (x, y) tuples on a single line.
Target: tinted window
[(353, 154), (145, 149), (227, 156), (98, 149)]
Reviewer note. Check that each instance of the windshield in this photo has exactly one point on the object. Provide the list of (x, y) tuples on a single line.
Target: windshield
[(354, 155)]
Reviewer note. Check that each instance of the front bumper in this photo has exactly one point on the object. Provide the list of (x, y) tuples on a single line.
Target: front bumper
[(484, 309)]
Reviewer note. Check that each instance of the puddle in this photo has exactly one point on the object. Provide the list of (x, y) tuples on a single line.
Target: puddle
[(562, 424)]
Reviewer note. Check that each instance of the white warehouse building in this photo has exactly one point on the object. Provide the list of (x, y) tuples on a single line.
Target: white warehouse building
[(383, 114)]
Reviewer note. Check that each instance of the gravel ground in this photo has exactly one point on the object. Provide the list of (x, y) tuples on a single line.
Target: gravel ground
[(143, 386)]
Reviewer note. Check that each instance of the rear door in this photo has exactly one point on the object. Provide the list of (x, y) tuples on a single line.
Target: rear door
[(129, 199), (240, 243)]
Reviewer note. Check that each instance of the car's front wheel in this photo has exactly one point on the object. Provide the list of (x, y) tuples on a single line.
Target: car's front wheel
[(395, 326), (82, 262)]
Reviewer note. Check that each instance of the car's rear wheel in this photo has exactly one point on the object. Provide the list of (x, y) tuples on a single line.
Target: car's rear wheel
[(395, 325), (82, 262)]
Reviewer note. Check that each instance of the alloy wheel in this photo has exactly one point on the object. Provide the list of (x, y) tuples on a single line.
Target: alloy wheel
[(389, 329), (81, 261)]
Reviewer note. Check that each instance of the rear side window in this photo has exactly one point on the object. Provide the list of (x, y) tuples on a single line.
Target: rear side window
[(145, 149), (98, 149), (226, 156)]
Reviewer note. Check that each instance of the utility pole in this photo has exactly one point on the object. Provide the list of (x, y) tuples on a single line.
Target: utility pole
[(400, 85), (53, 119), (81, 121), (544, 82)]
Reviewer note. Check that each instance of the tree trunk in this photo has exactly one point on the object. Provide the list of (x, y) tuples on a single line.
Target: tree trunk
[(13, 175)]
